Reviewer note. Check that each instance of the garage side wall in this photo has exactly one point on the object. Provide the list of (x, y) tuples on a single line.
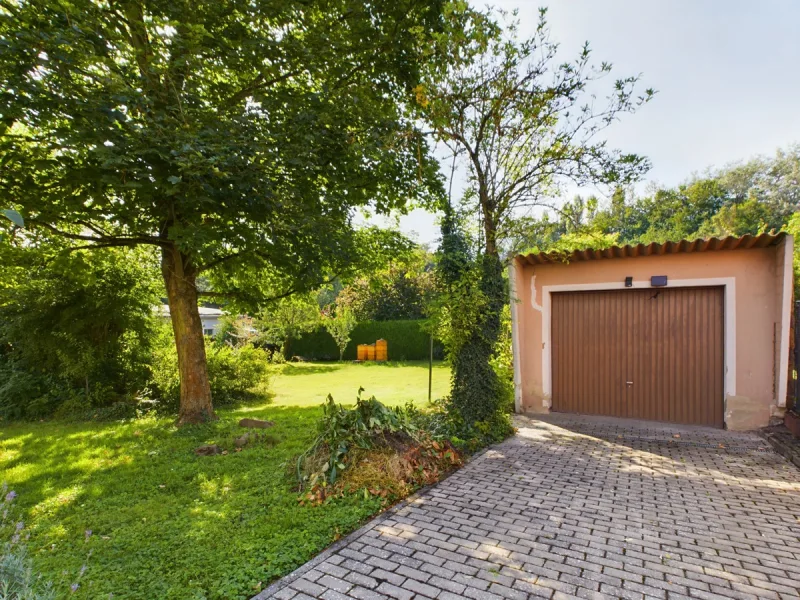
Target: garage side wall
[(758, 319)]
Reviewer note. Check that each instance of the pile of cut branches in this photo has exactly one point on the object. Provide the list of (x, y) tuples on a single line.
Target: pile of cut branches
[(371, 449)]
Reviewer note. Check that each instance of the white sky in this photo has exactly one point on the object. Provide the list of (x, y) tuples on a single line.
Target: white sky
[(727, 74)]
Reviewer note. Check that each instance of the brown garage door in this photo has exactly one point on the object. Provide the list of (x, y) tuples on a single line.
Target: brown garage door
[(640, 353)]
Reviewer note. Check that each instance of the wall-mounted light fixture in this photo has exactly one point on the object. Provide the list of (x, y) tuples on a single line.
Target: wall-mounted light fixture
[(658, 280), (629, 282)]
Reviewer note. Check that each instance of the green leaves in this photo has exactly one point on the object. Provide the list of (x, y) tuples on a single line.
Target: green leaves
[(340, 429), (241, 129), (241, 136), (77, 326), (523, 123), (340, 325)]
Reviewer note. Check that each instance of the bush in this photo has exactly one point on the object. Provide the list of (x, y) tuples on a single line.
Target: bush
[(406, 339), (443, 422), (235, 374), (27, 394), (75, 327), (17, 580)]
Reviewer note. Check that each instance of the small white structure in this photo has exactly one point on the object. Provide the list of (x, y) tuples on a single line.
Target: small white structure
[(210, 317)]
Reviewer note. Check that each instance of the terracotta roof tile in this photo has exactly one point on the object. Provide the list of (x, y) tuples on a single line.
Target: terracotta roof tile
[(682, 247)]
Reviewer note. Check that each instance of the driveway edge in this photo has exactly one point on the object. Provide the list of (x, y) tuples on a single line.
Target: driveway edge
[(369, 525), (784, 445)]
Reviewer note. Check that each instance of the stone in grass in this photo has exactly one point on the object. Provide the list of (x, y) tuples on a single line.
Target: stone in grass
[(208, 450), (245, 439), (249, 437), (257, 423)]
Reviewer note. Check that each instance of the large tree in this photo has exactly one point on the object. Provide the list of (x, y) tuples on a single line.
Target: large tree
[(236, 137), (524, 122)]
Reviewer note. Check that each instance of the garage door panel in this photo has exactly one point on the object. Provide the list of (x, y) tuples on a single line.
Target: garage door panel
[(652, 354)]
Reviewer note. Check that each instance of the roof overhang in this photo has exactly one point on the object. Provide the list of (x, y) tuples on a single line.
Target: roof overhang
[(655, 249)]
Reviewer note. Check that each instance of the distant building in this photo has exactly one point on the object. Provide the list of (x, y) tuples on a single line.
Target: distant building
[(210, 317)]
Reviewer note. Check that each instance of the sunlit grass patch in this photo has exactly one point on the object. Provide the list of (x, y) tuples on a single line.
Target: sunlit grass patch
[(166, 523)]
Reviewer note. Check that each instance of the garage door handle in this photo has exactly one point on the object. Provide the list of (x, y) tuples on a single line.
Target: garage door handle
[(628, 383)]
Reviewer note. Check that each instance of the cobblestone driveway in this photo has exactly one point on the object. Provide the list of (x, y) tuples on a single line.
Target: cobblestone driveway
[(587, 508)]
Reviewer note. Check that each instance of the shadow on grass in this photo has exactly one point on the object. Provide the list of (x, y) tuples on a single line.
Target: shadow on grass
[(310, 368), (166, 523), (327, 367)]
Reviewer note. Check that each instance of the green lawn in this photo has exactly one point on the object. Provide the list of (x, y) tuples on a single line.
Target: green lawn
[(167, 524), (391, 383)]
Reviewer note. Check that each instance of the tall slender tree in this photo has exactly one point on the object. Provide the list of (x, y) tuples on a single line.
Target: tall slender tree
[(524, 123), (236, 137)]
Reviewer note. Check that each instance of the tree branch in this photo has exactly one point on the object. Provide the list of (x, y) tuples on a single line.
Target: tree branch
[(101, 239), (257, 83), (218, 261)]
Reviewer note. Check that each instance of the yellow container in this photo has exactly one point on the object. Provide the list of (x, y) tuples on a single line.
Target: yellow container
[(381, 350), (361, 352), (371, 352)]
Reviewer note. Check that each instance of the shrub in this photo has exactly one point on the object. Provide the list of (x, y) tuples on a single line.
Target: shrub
[(17, 581), (72, 324), (407, 341), (235, 374), (442, 422), (27, 394)]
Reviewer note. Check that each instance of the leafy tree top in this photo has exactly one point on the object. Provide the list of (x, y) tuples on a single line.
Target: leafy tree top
[(750, 197), (522, 122), (241, 132)]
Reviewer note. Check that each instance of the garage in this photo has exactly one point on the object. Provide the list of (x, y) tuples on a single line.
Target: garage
[(692, 332), (654, 354)]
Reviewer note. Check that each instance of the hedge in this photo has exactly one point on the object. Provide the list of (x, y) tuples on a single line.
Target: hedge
[(406, 341)]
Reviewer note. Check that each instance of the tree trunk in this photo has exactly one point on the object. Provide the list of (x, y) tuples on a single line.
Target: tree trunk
[(179, 278), (489, 226)]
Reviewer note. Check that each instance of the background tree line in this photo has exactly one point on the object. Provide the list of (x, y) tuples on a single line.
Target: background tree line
[(759, 195)]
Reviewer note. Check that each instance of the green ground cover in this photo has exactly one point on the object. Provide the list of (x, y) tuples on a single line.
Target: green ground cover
[(165, 523)]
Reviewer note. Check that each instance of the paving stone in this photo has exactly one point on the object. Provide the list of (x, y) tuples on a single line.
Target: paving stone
[(357, 578), (365, 594), (395, 592), (421, 588), (308, 587), (333, 595), (575, 507), (392, 578), (334, 583)]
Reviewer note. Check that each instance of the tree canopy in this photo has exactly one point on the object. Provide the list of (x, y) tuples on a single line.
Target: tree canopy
[(235, 137), (400, 290), (755, 196)]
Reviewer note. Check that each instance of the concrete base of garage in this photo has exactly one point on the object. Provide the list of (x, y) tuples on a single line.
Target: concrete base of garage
[(581, 507)]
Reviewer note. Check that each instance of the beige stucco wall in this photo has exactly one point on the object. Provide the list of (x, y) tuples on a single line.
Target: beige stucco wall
[(761, 318)]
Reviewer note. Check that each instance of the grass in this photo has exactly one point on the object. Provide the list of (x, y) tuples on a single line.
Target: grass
[(168, 524), (391, 383)]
